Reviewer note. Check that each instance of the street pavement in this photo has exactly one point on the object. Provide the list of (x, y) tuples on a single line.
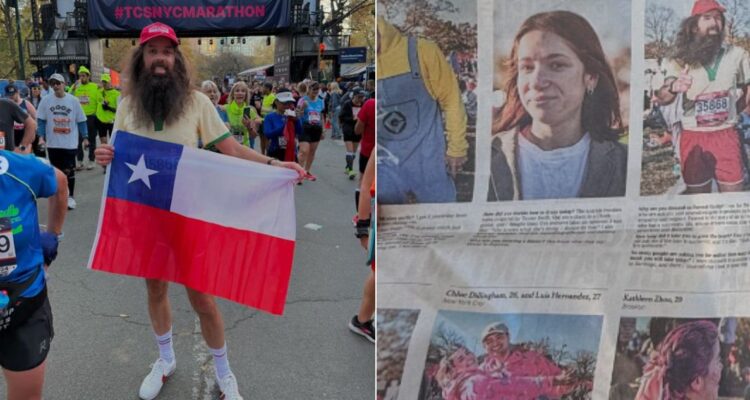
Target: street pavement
[(104, 345)]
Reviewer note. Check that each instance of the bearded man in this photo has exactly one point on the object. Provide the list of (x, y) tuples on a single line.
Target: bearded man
[(160, 102), (706, 85)]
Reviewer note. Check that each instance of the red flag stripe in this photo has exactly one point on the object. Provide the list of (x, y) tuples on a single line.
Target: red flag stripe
[(246, 267)]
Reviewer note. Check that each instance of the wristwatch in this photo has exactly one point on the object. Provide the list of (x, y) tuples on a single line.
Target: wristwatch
[(22, 148)]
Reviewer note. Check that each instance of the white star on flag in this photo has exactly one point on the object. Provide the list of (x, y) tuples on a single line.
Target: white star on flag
[(140, 172)]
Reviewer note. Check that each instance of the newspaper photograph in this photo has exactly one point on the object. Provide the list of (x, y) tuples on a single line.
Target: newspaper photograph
[(473, 355), (395, 331), (682, 358), (695, 121), (577, 248), (427, 106), (563, 76)]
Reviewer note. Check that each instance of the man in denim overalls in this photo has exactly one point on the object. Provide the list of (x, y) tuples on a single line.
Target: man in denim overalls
[(417, 93)]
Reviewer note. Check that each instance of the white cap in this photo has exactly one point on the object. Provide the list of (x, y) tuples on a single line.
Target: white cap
[(285, 97), (56, 77)]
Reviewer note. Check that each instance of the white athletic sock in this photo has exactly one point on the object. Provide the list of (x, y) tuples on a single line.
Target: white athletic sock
[(166, 352), (221, 362)]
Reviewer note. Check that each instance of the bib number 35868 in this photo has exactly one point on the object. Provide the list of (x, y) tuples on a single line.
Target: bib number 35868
[(712, 109), (7, 248)]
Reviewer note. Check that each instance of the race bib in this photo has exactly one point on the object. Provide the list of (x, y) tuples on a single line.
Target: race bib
[(2, 140), (17, 126), (84, 99), (282, 142), (7, 248), (314, 118), (61, 125), (712, 109)]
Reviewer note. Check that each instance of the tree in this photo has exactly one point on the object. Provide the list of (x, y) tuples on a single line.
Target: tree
[(221, 65), (424, 18), (116, 54), (659, 30), (9, 65), (737, 19), (362, 27)]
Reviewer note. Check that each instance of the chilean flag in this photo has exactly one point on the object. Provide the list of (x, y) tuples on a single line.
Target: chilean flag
[(217, 224)]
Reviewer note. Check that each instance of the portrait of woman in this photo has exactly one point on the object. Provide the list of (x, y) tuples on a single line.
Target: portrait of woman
[(558, 133), (687, 365)]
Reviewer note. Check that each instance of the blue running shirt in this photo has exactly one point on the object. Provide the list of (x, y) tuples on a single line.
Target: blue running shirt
[(23, 179)]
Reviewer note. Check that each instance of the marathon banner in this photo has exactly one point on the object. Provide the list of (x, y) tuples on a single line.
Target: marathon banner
[(160, 219), (564, 209), (189, 17)]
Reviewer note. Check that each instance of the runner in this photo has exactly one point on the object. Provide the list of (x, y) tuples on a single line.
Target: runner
[(10, 115), (35, 94), (62, 122), (25, 315), (706, 83), (159, 103), (106, 108), (335, 109), (210, 89), (366, 129), (19, 128), (282, 143), (349, 111), (89, 95), (242, 116), (35, 97), (363, 324), (312, 128), (266, 107)]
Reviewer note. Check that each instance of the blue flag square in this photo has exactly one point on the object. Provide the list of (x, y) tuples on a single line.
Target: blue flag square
[(143, 170)]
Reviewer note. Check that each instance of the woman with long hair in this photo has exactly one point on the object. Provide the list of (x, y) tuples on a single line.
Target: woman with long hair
[(557, 134), (35, 94), (243, 119), (687, 365)]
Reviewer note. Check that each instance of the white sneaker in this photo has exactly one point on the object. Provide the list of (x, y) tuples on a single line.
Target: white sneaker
[(229, 389), (153, 382), (89, 165), (71, 203)]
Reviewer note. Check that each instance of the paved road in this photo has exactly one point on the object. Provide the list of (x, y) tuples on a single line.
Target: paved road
[(104, 344)]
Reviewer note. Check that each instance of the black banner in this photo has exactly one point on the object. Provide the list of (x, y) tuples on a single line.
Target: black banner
[(190, 17)]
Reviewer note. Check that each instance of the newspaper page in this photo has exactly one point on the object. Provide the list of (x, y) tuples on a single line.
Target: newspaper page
[(563, 209)]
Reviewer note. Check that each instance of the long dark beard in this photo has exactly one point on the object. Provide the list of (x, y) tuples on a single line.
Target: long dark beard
[(160, 97), (701, 50)]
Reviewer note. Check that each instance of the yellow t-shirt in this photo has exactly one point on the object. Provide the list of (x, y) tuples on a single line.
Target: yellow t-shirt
[(89, 95), (199, 120), (711, 104), (437, 75)]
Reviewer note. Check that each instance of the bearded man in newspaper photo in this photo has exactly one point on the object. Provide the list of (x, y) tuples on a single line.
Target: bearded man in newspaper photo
[(706, 93)]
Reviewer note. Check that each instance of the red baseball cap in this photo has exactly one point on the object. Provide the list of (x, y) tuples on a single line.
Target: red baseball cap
[(704, 6), (158, 29)]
